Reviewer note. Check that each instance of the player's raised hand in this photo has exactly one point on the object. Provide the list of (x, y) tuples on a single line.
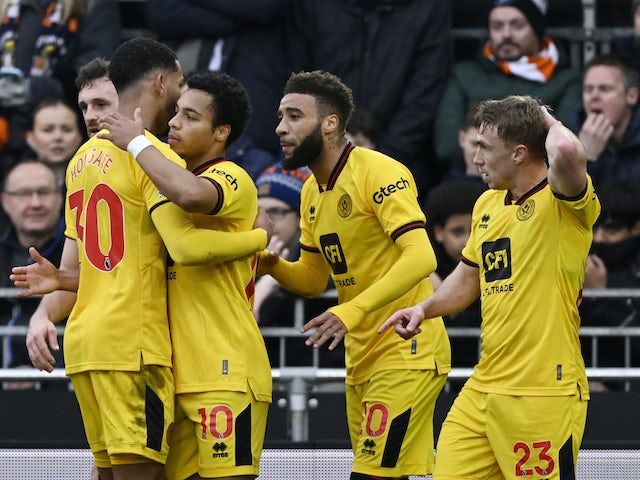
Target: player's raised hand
[(121, 128), (406, 322), (38, 278)]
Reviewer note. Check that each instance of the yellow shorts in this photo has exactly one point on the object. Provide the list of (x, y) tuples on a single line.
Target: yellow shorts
[(126, 414), (493, 436), (217, 434), (391, 422)]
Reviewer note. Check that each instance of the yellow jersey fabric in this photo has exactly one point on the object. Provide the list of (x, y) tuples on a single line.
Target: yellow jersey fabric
[(120, 315), (216, 340), (531, 255), (353, 221)]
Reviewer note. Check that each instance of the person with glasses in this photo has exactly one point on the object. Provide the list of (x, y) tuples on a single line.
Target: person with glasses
[(32, 200)]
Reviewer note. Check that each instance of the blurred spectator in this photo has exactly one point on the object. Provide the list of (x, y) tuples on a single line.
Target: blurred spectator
[(55, 135), (42, 45), (33, 200), (97, 97), (394, 55), (244, 39), (628, 46), (614, 262), (608, 120), (468, 142), (362, 129), (448, 208), (517, 59), (279, 194)]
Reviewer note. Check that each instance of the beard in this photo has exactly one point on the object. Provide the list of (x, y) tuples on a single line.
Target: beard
[(305, 153)]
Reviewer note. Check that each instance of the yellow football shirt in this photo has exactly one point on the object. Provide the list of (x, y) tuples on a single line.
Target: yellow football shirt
[(531, 255), (216, 340), (120, 315), (353, 221)]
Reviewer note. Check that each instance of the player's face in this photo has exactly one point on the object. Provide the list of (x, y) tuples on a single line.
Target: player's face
[(97, 100), (453, 235), (55, 135), (603, 91), (511, 35), (33, 201), (172, 83), (494, 159), (300, 130), (191, 134)]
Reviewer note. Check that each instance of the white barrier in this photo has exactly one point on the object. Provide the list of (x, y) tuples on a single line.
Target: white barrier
[(285, 464)]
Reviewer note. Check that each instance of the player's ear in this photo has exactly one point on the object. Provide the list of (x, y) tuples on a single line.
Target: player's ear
[(520, 153)]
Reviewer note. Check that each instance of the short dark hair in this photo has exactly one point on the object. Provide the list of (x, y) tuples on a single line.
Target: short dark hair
[(518, 119), (229, 100), (90, 71), (331, 94), (363, 121), (451, 197), (629, 72), (620, 203), (136, 58)]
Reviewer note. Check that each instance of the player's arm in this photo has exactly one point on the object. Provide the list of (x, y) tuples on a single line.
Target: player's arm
[(417, 260), (42, 337), (567, 159), (307, 276), (457, 291), (189, 245), (192, 193)]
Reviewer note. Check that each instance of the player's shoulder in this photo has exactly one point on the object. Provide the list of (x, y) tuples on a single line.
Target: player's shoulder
[(364, 161)]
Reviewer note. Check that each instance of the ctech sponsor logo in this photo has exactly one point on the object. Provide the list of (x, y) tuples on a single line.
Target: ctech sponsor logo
[(227, 176), (387, 191)]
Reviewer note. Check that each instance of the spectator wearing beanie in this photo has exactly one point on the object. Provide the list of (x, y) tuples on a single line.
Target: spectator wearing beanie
[(279, 195), (517, 59)]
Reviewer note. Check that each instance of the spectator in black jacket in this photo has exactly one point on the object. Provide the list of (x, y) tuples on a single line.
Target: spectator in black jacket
[(33, 200), (614, 262), (394, 55), (244, 39)]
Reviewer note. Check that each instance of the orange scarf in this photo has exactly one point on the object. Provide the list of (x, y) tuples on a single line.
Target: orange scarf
[(538, 68)]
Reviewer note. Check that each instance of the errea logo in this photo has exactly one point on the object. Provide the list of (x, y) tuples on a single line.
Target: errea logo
[(484, 221)]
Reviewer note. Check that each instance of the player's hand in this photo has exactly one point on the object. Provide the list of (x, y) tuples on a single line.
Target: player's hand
[(121, 129), (596, 273), (595, 134), (263, 221), (38, 278), (42, 339), (328, 327), (406, 322)]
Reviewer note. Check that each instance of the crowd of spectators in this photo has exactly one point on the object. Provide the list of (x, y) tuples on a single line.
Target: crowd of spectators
[(415, 96)]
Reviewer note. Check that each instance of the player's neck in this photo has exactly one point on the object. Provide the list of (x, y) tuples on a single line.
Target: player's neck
[(327, 160)]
